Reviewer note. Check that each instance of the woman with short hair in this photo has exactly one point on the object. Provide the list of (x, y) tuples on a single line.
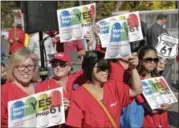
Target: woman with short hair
[(22, 70)]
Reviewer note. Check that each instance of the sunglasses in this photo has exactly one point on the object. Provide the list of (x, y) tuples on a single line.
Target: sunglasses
[(149, 60), (103, 66), (56, 64)]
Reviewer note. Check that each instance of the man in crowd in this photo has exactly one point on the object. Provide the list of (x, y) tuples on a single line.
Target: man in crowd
[(75, 49), (49, 48), (156, 30)]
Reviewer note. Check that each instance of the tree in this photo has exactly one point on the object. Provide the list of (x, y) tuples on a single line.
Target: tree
[(7, 14)]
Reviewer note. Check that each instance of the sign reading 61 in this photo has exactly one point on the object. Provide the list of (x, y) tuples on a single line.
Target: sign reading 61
[(167, 46)]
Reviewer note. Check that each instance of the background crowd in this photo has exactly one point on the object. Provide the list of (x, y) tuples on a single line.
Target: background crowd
[(81, 71)]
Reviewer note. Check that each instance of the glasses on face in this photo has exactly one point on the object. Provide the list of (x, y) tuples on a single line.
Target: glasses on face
[(103, 67), (62, 65), (149, 60), (23, 67)]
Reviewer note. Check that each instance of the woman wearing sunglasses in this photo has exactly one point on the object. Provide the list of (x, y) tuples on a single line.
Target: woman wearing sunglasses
[(22, 70), (99, 102), (148, 62)]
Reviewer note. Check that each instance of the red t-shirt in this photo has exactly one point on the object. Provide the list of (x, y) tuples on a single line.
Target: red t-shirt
[(10, 92), (86, 112), (15, 45), (117, 72), (99, 48), (73, 46), (153, 120), (74, 80)]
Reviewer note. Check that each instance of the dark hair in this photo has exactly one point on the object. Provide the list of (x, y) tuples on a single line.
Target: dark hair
[(89, 61), (161, 16), (141, 54), (2, 64)]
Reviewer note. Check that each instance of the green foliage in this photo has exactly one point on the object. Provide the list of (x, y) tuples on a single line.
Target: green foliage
[(66, 4), (6, 13), (104, 9), (163, 5)]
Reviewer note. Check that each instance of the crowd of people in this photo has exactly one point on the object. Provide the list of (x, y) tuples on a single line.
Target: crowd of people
[(96, 90)]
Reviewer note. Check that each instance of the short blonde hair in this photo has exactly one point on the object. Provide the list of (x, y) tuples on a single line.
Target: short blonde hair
[(18, 57)]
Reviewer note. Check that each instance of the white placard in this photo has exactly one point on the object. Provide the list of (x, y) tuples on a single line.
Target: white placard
[(129, 21), (43, 109), (157, 92), (119, 46), (73, 22)]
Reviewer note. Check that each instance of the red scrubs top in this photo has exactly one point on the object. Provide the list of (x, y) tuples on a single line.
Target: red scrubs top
[(74, 80), (154, 120), (86, 112), (10, 92), (15, 45), (117, 72)]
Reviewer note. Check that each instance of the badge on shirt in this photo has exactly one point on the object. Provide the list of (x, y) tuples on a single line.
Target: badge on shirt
[(167, 46)]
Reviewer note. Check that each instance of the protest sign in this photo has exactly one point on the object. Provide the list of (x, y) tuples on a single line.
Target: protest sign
[(43, 109), (74, 22), (18, 17), (167, 46), (129, 21), (5, 34), (157, 92), (119, 45)]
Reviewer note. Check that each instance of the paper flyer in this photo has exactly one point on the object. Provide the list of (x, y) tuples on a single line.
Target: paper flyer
[(130, 21), (18, 17), (43, 109), (119, 46), (167, 46), (156, 92), (74, 22)]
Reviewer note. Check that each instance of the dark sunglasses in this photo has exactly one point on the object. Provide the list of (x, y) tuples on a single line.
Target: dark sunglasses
[(56, 64), (156, 60), (103, 66)]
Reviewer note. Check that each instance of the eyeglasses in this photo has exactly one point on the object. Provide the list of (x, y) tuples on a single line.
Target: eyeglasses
[(23, 67), (62, 65), (149, 60)]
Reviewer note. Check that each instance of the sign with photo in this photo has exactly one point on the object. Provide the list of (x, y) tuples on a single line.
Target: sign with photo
[(43, 109), (167, 46), (75, 22), (157, 92), (130, 22)]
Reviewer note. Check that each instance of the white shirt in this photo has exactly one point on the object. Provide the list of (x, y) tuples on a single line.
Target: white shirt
[(35, 46)]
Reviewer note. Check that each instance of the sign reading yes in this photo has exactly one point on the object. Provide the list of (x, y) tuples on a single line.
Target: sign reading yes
[(167, 46)]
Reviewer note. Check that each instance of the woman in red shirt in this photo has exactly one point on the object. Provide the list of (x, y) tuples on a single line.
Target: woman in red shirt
[(16, 38), (112, 94), (147, 69), (22, 70)]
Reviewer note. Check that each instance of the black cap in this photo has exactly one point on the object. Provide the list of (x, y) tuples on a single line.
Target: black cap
[(161, 16)]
